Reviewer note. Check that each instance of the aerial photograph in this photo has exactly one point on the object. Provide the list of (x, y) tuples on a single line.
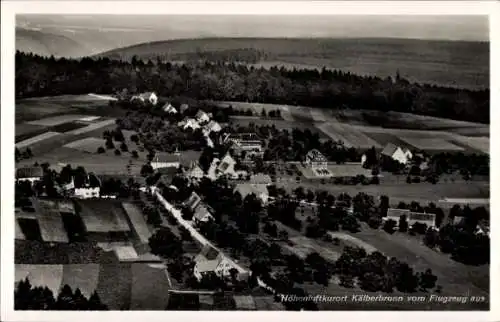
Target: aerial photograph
[(243, 163)]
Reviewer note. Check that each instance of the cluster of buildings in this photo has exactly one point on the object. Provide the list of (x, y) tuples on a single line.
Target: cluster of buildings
[(412, 217), (81, 187)]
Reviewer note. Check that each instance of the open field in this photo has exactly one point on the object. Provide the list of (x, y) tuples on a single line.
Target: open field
[(279, 124), (403, 191), (313, 246), (353, 241), (56, 120), (36, 139), (481, 144), (135, 286), (82, 276), (41, 275), (428, 144), (347, 134), (89, 145)]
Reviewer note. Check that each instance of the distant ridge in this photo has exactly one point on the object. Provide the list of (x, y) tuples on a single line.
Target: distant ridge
[(47, 44)]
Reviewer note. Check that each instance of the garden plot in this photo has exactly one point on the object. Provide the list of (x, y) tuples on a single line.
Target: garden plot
[(348, 170), (37, 139), (89, 145), (102, 216), (82, 276), (138, 223), (41, 275), (149, 287), (432, 144), (56, 120), (50, 222), (356, 242)]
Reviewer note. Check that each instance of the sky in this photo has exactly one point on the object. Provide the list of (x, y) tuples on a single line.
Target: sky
[(472, 28)]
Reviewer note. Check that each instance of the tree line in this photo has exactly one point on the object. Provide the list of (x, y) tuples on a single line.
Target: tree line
[(221, 81)]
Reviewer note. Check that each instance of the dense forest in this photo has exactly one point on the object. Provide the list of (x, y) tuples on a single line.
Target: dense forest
[(222, 81)]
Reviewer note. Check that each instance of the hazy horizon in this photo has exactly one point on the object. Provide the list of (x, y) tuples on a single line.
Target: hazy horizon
[(169, 27)]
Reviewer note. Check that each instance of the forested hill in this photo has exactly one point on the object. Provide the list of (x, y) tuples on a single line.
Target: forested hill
[(39, 76), (461, 64)]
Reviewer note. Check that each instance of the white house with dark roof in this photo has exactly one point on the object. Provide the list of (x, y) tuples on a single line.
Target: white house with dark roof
[(190, 123), (89, 188), (147, 97), (396, 153), (31, 174), (166, 160), (168, 108), (211, 260), (212, 126), (202, 117), (316, 160)]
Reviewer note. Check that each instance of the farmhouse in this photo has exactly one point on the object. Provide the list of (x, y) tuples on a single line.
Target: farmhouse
[(395, 214), (90, 187), (202, 214), (202, 117), (212, 126), (190, 123), (245, 143), (166, 160), (259, 190), (148, 97), (395, 153), (168, 108), (422, 218), (226, 166), (211, 260), (31, 174), (316, 160), (195, 172)]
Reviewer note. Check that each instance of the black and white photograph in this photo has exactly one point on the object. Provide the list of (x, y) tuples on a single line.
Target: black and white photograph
[(246, 162)]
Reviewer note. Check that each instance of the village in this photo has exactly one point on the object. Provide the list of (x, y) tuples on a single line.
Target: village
[(226, 214)]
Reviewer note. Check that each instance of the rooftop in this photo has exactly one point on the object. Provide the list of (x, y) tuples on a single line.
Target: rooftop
[(389, 149), (246, 189), (315, 156), (29, 172)]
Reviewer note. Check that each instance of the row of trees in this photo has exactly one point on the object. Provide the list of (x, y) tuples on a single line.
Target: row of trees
[(27, 297), (39, 76)]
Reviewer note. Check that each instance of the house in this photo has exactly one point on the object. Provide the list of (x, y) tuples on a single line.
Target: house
[(195, 171), (190, 123), (226, 166), (395, 153), (165, 160), (87, 187), (168, 108), (201, 214), (148, 97), (259, 190), (202, 117), (422, 218), (31, 174), (245, 143), (212, 126), (316, 160), (193, 201), (395, 214), (211, 260)]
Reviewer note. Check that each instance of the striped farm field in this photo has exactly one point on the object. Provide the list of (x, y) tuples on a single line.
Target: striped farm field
[(92, 127), (385, 138), (138, 223), (349, 135), (432, 144), (37, 139), (89, 145), (481, 144), (56, 120)]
